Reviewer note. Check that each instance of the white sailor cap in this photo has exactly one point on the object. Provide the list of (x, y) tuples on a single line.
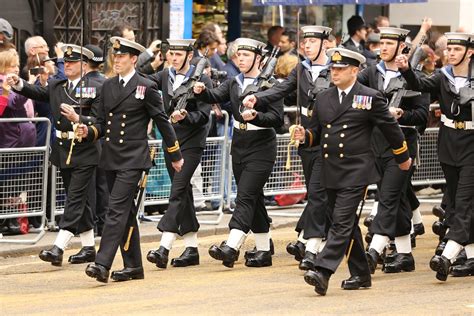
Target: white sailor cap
[(122, 46), (393, 33), (341, 57), (317, 31), (73, 53), (464, 39), (251, 45), (181, 44)]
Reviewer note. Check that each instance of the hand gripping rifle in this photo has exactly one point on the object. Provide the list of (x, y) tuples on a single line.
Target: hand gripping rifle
[(185, 93), (263, 80), (418, 55), (138, 200)]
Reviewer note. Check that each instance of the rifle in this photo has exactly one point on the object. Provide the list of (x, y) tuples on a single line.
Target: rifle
[(263, 79), (138, 199), (418, 55), (399, 93), (184, 93)]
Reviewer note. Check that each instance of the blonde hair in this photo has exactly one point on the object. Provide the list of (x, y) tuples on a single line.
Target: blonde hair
[(285, 65), (8, 58)]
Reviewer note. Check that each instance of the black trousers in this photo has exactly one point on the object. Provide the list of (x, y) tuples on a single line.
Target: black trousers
[(410, 192), (343, 205), (394, 212), (122, 186), (180, 217), (250, 212), (313, 220), (460, 190), (77, 217)]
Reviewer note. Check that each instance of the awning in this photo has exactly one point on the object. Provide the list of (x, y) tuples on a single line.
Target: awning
[(328, 2)]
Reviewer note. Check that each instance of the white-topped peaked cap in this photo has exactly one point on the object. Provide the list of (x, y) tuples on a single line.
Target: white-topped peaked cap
[(393, 33), (317, 31), (73, 53), (121, 46), (250, 44), (181, 44), (341, 57), (456, 38)]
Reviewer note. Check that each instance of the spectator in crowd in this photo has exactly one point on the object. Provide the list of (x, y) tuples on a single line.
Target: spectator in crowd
[(34, 45), (273, 36), (332, 42), (381, 21), (152, 59), (216, 61), (206, 41), (283, 68), (6, 35), (357, 32), (231, 67), (124, 30), (372, 52), (287, 42), (428, 64)]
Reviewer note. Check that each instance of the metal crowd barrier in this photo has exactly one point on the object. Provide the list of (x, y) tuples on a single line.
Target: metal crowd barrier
[(23, 182)]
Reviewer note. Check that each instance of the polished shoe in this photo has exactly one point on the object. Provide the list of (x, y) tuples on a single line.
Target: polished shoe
[(368, 237), (189, 257), (389, 258), (159, 257), (460, 259), (441, 265), (53, 255), (355, 282), (250, 253), (223, 253), (297, 250), (372, 259), (402, 262), (223, 243), (439, 228), (439, 212), (86, 254), (98, 272), (308, 261), (318, 280), (418, 229), (127, 274), (260, 259), (368, 220), (440, 248), (464, 270)]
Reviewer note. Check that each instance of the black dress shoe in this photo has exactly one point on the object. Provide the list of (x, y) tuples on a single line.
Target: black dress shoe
[(53, 255), (441, 265), (439, 228), (260, 259), (127, 274), (223, 253), (318, 280), (401, 262), (98, 272), (418, 229), (86, 254), (223, 243), (308, 261), (368, 220), (297, 250), (189, 257), (355, 282), (389, 258), (159, 257), (372, 259), (460, 259), (464, 270), (440, 248), (439, 212), (250, 253)]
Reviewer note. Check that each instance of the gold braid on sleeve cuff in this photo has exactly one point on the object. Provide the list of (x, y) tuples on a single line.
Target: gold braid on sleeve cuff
[(174, 148), (96, 132), (400, 150), (310, 142)]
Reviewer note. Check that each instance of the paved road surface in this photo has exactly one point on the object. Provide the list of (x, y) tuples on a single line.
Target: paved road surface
[(30, 286)]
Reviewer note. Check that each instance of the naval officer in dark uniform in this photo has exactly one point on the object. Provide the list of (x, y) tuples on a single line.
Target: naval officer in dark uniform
[(128, 101), (66, 97), (343, 118), (314, 77), (253, 155), (191, 125), (452, 85), (394, 213)]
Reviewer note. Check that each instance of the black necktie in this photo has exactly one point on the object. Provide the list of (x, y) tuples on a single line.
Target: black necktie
[(122, 82), (343, 94), (70, 89)]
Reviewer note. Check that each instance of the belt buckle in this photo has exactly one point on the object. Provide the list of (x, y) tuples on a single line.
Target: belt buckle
[(64, 135), (243, 126), (459, 125)]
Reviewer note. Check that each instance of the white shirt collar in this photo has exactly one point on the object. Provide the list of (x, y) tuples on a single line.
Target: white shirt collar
[(127, 78), (347, 91), (74, 82), (356, 43)]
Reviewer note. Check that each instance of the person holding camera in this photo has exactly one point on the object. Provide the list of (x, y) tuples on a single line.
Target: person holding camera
[(152, 59)]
